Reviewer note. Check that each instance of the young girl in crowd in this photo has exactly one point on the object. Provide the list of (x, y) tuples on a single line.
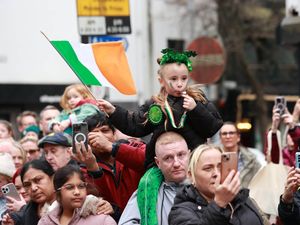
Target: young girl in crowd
[(6, 131), (71, 193), (77, 103), (177, 107)]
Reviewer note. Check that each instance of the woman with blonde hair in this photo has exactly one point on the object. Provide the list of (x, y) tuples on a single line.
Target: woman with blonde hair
[(207, 201)]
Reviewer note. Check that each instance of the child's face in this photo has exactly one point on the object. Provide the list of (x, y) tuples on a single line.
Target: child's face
[(73, 97), (73, 193), (4, 133), (174, 78)]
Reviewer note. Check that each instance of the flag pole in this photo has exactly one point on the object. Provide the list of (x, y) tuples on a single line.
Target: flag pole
[(75, 73)]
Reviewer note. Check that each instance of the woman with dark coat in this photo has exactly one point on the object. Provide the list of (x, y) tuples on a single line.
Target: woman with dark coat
[(206, 201)]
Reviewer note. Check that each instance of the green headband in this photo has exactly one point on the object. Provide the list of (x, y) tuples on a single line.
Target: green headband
[(171, 56)]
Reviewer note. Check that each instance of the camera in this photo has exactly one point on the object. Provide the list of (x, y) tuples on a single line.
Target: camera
[(10, 191), (5, 190), (226, 157), (79, 134), (280, 105)]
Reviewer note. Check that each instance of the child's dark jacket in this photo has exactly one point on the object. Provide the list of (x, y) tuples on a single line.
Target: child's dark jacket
[(201, 123)]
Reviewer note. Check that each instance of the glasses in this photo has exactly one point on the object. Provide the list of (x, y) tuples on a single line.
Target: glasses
[(230, 133), (36, 180), (71, 187)]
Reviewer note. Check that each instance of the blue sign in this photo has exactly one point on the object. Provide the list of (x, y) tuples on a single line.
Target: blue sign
[(95, 39)]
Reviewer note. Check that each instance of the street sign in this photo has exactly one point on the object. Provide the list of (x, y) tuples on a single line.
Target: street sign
[(101, 17), (209, 64), (95, 39)]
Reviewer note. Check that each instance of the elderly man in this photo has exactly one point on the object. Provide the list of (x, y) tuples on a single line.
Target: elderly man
[(248, 165), (172, 156)]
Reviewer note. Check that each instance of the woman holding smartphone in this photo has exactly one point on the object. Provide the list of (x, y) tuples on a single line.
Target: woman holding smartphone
[(36, 176), (206, 201)]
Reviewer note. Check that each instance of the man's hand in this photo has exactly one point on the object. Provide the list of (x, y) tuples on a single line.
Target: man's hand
[(104, 207), (227, 191), (85, 156), (99, 142)]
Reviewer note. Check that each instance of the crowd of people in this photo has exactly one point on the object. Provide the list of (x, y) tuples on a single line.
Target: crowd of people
[(117, 178)]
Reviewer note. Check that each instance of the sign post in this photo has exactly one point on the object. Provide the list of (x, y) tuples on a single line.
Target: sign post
[(103, 17)]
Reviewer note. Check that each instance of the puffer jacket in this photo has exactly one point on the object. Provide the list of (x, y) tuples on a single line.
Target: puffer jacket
[(191, 208), (201, 123), (52, 218), (289, 214)]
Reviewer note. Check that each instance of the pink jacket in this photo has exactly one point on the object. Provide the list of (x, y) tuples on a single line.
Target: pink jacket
[(52, 218)]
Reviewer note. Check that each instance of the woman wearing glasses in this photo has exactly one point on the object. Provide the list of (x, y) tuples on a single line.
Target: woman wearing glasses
[(71, 194)]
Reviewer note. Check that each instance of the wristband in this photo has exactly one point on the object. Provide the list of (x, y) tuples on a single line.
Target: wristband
[(115, 149), (116, 145), (96, 174)]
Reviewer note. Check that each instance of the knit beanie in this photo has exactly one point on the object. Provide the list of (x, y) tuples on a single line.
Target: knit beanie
[(7, 166), (32, 128)]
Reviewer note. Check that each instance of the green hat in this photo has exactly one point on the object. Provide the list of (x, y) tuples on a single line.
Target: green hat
[(171, 56), (32, 128)]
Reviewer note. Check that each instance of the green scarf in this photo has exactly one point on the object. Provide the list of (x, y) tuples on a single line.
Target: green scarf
[(147, 195)]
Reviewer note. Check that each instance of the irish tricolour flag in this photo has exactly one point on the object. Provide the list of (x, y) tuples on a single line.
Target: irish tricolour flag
[(101, 64)]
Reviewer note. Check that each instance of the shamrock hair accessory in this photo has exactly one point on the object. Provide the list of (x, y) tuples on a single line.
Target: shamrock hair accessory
[(155, 114), (171, 56)]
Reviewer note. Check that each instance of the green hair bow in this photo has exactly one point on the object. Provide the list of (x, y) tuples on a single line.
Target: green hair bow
[(171, 56)]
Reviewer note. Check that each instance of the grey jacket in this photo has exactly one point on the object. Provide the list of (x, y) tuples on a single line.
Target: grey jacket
[(166, 195), (250, 166)]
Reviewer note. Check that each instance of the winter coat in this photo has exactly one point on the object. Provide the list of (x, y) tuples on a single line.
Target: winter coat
[(52, 218), (201, 123), (83, 109), (250, 166), (118, 182), (190, 207), (21, 217), (289, 214)]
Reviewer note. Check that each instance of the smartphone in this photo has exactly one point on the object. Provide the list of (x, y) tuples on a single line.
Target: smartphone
[(297, 157), (229, 161), (79, 134), (280, 104), (11, 191)]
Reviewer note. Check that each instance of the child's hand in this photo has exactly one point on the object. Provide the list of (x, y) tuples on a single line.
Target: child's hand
[(56, 128), (188, 102), (64, 125), (105, 106)]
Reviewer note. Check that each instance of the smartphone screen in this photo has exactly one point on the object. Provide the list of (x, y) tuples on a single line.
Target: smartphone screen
[(79, 134), (229, 161), (11, 191), (297, 157)]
